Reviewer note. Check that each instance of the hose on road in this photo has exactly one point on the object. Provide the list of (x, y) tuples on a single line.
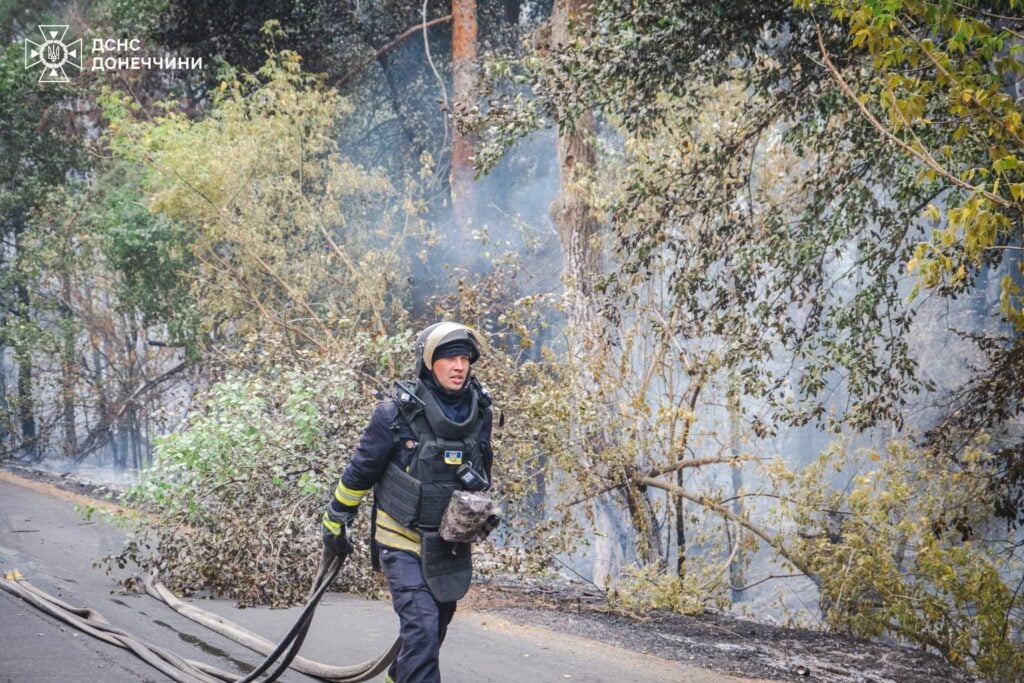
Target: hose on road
[(92, 622), (190, 671)]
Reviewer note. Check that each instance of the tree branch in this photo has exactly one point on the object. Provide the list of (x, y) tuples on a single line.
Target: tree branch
[(95, 437), (697, 462), (945, 72), (657, 472), (770, 577), (301, 301), (412, 30), (920, 155), (754, 528)]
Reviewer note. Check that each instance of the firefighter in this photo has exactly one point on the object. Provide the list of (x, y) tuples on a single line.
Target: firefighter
[(431, 439)]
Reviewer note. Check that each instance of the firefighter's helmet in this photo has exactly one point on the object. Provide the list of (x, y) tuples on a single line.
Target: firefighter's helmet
[(437, 335)]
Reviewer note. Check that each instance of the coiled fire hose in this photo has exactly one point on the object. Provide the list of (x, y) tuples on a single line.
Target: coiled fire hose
[(190, 671)]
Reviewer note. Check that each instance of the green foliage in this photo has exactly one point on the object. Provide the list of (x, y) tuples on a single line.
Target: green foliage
[(235, 496), (761, 228), (237, 493), (147, 251), (134, 17), (642, 589), (940, 77), (939, 85), (740, 189), (908, 548), (278, 228), (38, 146), (41, 146)]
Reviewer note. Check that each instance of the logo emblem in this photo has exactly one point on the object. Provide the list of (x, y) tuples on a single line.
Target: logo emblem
[(453, 457), (53, 54)]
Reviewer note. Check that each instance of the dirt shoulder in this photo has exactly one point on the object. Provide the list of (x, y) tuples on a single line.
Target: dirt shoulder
[(66, 488), (715, 642)]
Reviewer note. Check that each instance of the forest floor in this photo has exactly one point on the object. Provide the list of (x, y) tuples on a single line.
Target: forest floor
[(715, 642)]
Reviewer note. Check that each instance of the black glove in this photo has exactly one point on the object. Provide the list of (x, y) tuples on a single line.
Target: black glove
[(490, 525), (336, 535)]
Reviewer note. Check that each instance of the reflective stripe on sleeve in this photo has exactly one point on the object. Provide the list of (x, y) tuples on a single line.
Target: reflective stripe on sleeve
[(347, 496), (332, 526)]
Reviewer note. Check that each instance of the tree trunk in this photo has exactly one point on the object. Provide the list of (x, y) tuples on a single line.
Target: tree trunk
[(571, 211), (736, 565), (645, 524), (577, 230), (680, 509), (401, 110), (99, 386), (26, 410), (69, 366), (23, 355), (464, 86)]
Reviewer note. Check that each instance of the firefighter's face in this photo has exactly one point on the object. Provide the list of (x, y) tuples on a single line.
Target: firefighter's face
[(451, 373)]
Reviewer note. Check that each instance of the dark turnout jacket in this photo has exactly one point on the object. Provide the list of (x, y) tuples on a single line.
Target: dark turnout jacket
[(389, 438)]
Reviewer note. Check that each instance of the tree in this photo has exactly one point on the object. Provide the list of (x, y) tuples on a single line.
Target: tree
[(39, 141), (943, 91), (273, 230), (589, 337)]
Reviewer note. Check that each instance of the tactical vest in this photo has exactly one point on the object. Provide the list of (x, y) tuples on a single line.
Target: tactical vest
[(417, 497)]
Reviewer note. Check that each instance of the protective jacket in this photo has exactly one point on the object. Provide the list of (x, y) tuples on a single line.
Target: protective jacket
[(409, 455)]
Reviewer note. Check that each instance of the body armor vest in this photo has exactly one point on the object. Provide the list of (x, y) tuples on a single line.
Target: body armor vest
[(417, 496)]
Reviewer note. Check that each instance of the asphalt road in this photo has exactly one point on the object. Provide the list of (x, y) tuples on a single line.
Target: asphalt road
[(44, 537)]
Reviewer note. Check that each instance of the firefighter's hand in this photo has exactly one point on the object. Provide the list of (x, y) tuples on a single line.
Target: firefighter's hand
[(490, 525), (335, 536)]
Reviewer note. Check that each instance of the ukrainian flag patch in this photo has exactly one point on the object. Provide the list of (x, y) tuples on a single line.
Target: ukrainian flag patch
[(453, 457)]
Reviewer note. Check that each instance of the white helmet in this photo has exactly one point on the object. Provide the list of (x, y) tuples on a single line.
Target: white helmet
[(439, 334)]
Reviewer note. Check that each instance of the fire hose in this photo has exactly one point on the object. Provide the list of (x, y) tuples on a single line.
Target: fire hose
[(190, 671)]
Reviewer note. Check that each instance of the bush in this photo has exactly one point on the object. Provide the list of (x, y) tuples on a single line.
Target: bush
[(909, 549), (235, 497)]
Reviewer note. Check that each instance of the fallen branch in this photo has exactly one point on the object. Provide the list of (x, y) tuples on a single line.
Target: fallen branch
[(95, 437), (663, 470), (754, 528), (770, 577), (697, 462)]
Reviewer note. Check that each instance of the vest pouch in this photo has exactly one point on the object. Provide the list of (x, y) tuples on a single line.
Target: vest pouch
[(465, 517), (447, 567), (398, 494), (434, 500), (442, 470)]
